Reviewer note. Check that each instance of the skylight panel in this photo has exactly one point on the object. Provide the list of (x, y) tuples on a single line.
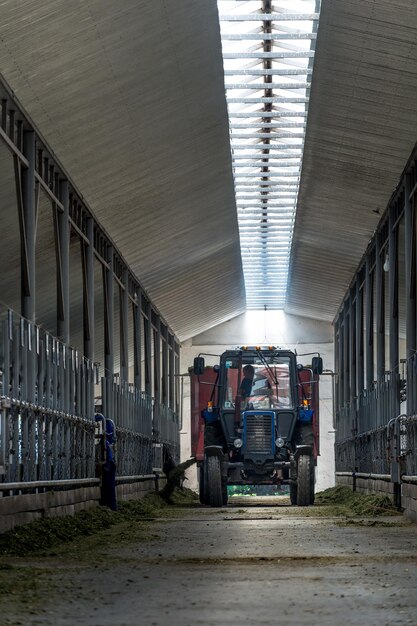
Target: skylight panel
[(268, 49)]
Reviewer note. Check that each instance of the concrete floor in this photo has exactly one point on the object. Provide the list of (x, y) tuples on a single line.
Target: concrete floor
[(240, 565)]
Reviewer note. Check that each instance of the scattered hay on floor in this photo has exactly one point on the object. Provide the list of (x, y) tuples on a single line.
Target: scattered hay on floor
[(47, 533), (360, 504)]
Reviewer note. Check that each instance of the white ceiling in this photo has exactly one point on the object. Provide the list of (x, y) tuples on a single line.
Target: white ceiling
[(361, 129), (130, 96)]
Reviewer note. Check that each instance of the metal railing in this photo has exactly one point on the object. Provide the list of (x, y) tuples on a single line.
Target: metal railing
[(47, 426), (129, 408), (47, 406)]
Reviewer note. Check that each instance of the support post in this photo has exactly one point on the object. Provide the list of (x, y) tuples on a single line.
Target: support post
[(165, 399), (393, 308), (359, 337), (369, 346), (148, 350), (62, 239), (157, 361), (28, 229), (171, 375), (410, 269), (108, 282), (352, 346), (137, 320), (380, 310), (89, 291), (124, 322)]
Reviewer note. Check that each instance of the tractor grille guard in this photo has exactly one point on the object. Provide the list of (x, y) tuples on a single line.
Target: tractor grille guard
[(258, 432)]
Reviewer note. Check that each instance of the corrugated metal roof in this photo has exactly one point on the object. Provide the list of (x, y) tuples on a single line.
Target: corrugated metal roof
[(361, 129), (130, 95)]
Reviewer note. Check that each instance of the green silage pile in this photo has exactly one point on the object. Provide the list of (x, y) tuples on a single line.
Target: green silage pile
[(356, 504), (43, 534)]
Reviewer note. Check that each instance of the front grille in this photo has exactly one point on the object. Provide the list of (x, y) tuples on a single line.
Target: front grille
[(258, 433)]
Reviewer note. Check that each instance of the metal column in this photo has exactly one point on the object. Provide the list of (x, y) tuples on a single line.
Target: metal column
[(148, 349), (369, 346), (88, 263), (410, 270), (346, 352), (393, 308), (165, 366), (108, 283), (124, 324), (157, 361), (137, 321), (28, 229), (62, 244), (359, 338), (352, 346), (380, 310)]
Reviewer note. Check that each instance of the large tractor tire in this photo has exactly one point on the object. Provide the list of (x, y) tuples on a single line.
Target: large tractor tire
[(225, 495), (293, 493), (304, 471), (202, 484), (214, 481), (312, 480)]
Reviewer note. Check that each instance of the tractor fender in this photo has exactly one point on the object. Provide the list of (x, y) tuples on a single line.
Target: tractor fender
[(224, 461), (299, 450), (214, 451)]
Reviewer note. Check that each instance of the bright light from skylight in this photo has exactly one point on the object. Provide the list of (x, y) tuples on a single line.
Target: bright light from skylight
[(268, 51)]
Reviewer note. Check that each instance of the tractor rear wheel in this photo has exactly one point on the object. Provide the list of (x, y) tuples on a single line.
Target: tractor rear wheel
[(293, 493), (214, 481), (312, 480), (304, 480), (225, 495)]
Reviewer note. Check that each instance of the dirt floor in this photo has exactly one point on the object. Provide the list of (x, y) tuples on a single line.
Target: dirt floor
[(243, 564)]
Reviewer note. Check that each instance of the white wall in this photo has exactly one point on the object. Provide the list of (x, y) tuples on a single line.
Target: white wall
[(268, 328)]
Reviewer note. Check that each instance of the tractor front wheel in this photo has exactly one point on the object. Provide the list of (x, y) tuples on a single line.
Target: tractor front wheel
[(305, 469), (214, 481)]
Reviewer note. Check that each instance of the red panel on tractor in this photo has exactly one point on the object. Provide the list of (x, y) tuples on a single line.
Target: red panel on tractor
[(201, 393)]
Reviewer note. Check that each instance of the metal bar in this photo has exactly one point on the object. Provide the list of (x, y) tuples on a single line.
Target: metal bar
[(384, 477), (302, 54), (42, 484), (269, 17), (268, 135), (267, 36), (369, 345), (393, 315), (380, 311), (137, 327), (410, 269), (359, 338), (88, 283), (124, 324), (409, 479), (148, 350), (29, 218), (352, 348), (109, 316), (300, 71), (262, 86), (267, 100), (48, 191), (63, 264)]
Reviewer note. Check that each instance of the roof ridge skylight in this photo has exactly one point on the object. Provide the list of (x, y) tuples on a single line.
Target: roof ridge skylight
[(268, 51)]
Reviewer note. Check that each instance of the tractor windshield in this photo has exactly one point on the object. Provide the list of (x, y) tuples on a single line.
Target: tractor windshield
[(264, 383)]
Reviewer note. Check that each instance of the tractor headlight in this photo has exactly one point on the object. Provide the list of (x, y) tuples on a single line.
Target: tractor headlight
[(279, 442), (238, 443)]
